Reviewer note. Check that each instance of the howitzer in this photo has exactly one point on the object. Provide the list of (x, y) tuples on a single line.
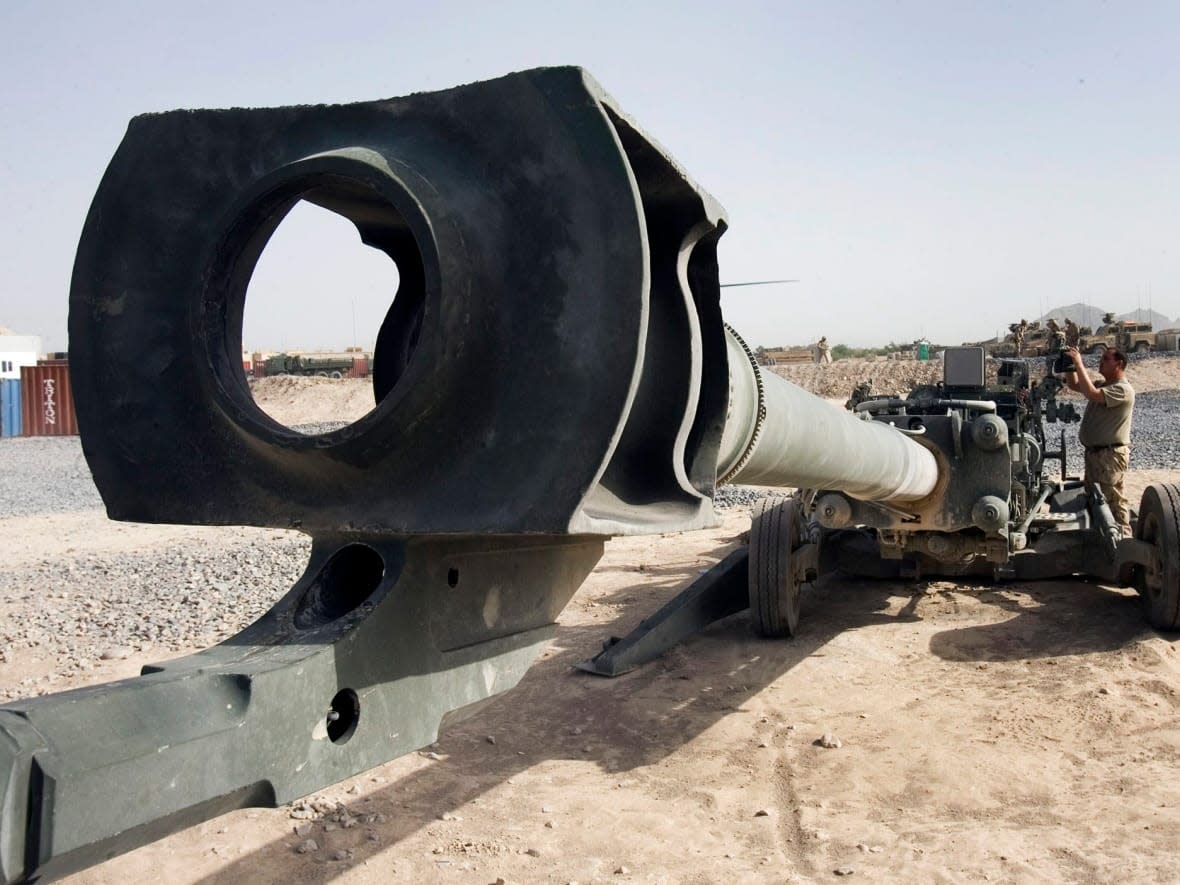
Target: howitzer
[(553, 370), (948, 479)]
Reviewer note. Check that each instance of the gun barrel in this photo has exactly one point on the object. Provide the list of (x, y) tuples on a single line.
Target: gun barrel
[(778, 434)]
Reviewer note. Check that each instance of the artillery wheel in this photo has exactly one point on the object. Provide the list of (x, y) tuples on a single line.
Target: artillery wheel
[(776, 532), (1098, 349), (1159, 525)]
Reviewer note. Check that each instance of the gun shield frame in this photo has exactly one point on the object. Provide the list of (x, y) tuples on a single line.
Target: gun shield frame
[(552, 371)]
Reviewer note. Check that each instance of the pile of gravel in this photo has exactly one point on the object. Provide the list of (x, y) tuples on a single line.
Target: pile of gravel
[(1154, 442), (44, 474), (49, 474), (92, 607)]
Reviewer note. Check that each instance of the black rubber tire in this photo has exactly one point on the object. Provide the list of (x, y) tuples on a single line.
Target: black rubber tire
[(1098, 349), (1159, 525), (335, 376), (775, 533)]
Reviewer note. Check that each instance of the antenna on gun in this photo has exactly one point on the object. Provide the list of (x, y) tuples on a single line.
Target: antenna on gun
[(756, 283)]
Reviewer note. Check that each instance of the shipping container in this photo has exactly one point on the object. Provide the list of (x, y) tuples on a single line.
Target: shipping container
[(360, 367), (10, 417), (47, 402)]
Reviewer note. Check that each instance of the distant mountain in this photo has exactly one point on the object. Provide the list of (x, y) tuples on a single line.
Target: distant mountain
[(1091, 315), (1082, 314), (1157, 319)]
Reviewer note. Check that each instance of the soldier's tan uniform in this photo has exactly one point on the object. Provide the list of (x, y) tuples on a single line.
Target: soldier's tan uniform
[(823, 353), (1106, 433), (1072, 333)]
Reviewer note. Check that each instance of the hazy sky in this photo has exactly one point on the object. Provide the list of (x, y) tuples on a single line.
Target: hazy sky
[(924, 168)]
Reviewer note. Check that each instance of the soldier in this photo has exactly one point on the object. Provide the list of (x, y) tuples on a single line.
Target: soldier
[(1018, 330), (862, 392), (1072, 334), (1106, 427), (1056, 338), (823, 353), (1057, 344)]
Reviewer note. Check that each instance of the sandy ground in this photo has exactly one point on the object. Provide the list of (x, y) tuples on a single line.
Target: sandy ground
[(1003, 733)]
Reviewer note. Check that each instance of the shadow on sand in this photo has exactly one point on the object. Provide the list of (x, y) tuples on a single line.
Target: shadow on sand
[(637, 719)]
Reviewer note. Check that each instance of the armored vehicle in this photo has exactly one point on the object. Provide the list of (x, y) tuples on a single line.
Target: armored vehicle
[(298, 364), (1127, 335)]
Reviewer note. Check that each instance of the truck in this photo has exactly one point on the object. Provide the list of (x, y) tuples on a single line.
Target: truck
[(297, 364), (1037, 340), (1127, 335)]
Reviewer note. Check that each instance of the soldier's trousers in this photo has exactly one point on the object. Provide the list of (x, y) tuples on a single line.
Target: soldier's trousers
[(1105, 468)]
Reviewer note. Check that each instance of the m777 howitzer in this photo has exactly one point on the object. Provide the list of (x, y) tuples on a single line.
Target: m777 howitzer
[(949, 479), (554, 370)]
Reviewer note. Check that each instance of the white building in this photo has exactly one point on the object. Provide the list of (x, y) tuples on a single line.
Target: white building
[(17, 351)]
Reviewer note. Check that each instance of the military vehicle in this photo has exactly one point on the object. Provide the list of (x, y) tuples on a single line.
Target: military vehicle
[(1127, 335), (554, 371), (298, 364), (1034, 340)]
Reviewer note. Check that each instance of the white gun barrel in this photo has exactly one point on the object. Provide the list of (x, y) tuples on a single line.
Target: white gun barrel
[(777, 434)]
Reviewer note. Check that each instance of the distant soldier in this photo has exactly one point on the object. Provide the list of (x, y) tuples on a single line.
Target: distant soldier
[(1052, 326), (1018, 335), (862, 392), (1107, 319), (1057, 342), (1072, 334), (823, 353)]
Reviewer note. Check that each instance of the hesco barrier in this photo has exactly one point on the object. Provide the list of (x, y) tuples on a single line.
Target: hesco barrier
[(47, 401), (1168, 340), (10, 424)]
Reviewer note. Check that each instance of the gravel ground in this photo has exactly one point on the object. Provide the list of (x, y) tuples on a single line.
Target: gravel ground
[(49, 474), (44, 474), (1155, 444), (167, 600)]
